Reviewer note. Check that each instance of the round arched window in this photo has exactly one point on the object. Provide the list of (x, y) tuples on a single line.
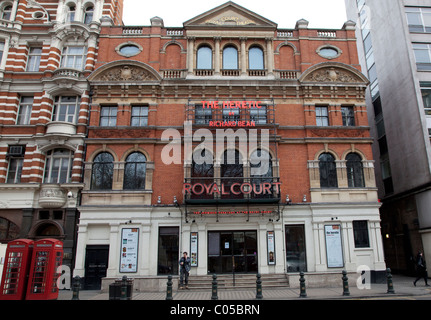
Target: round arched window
[(329, 52), (128, 49)]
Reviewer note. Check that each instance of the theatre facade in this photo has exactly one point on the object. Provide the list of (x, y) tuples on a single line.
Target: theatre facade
[(241, 143)]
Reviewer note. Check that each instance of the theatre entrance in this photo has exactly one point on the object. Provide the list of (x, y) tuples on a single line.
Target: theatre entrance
[(232, 252)]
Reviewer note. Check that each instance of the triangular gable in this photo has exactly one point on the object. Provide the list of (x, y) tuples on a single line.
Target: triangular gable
[(229, 15)]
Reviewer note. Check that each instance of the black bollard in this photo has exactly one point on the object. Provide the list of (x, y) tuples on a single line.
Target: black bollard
[(214, 295), (123, 295), (76, 284), (390, 283), (303, 293), (259, 295), (346, 291), (169, 288)]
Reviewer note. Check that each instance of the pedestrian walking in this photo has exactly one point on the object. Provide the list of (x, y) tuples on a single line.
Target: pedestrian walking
[(421, 269), (185, 265)]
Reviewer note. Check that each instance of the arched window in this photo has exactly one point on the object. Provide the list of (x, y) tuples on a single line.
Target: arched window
[(355, 171), (230, 58), (261, 165), (255, 58), (135, 171), (231, 170), (204, 58), (71, 9), (261, 171), (6, 12), (58, 167), (8, 230), (88, 14), (103, 171), (328, 171), (202, 170), (202, 166)]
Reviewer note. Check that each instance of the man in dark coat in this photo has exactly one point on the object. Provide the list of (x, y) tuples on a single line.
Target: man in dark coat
[(185, 265), (421, 269)]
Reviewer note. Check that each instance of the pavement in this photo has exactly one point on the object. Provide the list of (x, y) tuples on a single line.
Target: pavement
[(403, 287)]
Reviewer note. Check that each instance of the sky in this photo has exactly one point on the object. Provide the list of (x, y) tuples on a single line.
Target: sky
[(326, 14)]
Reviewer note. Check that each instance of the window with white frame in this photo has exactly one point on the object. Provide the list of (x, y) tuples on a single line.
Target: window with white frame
[(16, 161), (73, 57), (139, 116), (71, 13), (108, 116), (34, 56), (24, 111), (2, 45), (419, 19), (423, 56), (58, 166), (88, 14), (322, 116), (6, 13), (66, 108)]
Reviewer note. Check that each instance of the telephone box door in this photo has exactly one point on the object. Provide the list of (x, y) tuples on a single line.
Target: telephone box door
[(42, 282), (15, 269)]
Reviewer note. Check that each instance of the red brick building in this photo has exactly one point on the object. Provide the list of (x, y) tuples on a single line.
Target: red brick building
[(47, 51), (314, 209)]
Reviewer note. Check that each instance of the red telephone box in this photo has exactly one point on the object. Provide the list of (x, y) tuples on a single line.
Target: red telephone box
[(15, 269), (42, 281)]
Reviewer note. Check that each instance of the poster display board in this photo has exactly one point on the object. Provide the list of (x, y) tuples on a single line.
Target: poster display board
[(129, 250), (194, 249), (334, 247), (270, 237)]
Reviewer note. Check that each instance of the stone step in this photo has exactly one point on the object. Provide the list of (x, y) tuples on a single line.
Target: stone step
[(242, 281)]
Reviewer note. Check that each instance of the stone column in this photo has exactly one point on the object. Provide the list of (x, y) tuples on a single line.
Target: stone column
[(217, 56), (190, 54), (243, 56)]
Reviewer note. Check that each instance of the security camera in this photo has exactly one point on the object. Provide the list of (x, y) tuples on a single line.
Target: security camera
[(70, 194)]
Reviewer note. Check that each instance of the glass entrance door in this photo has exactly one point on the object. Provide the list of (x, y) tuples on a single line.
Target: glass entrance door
[(232, 251)]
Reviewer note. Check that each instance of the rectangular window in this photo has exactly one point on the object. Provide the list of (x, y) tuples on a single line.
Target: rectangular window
[(360, 233), (73, 57), (423, 56), (296, 255), (15, 169), (168, 249), (419, 19), (24, 111), (202, 116), (34, 56), (230, 115), (108, 117), (426, 96), (322, 117), (2, 44), (139, 116), (348, 115), (66, 109), (258, 115)]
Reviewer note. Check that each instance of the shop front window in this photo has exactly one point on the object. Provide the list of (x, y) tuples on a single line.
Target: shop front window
[(296, 260), (168, 254)]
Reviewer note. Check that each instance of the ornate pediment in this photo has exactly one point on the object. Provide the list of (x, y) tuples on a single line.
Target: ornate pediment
[(333, 73), (229, 15), (125, 71)]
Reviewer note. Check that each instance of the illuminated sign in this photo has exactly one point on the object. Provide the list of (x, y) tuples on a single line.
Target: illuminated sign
[(233, 212), (231, 104), (232, 107), (233, 189)]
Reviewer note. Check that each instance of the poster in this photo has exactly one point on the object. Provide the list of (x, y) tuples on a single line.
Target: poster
[(194, 249), (129, 250), (334, 248), (271, 247)]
